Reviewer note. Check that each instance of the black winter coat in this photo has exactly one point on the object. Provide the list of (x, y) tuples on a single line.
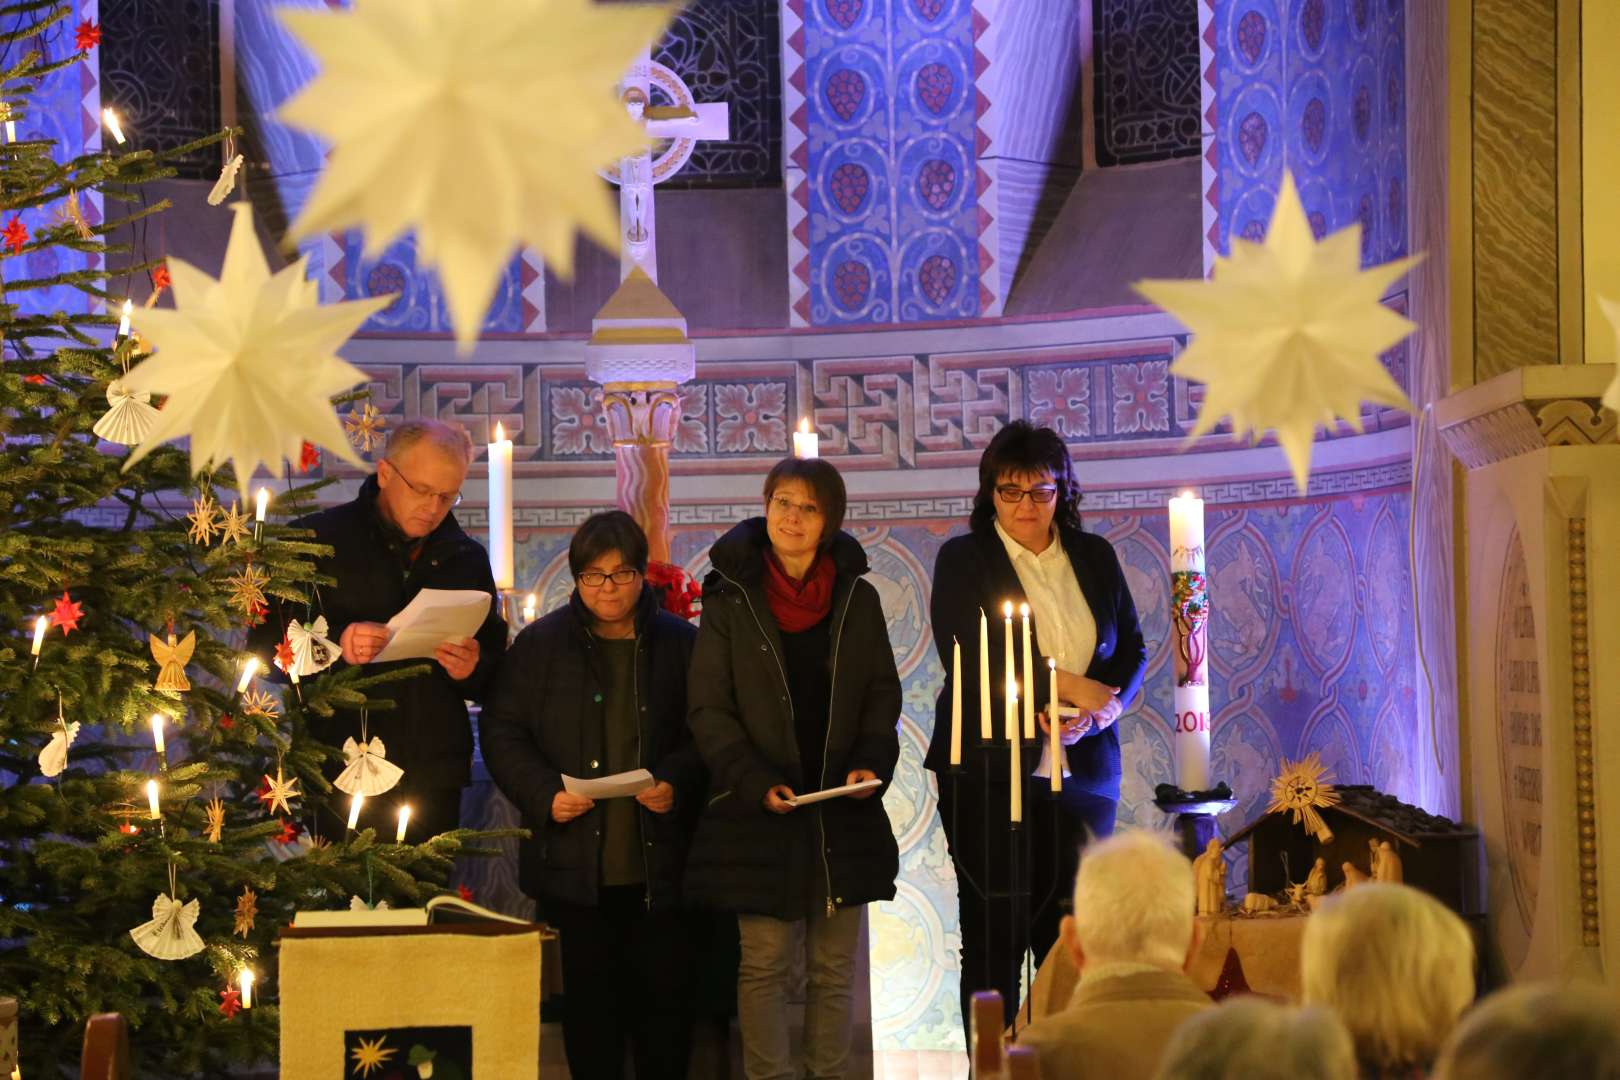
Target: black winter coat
[(544, 718), (972, 573), (427, 733), (746, 858)]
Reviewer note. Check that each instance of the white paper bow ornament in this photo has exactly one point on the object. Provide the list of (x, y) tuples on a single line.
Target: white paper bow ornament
[(130, 417), (313, 651), (369, 771), (53, 759), (170, 934)]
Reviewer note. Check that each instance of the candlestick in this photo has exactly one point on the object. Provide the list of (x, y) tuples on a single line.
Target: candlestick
[(1017, 807), (250, 668), (1189, 606), (157, 733), (984, 676), (244, 979), (1029, 677), (152, 797), (41, 624), (1054, 722), (1010, 726), (500, 508), (806, 443), (354, 809), (956, 702), (404, 818), (123, 319)]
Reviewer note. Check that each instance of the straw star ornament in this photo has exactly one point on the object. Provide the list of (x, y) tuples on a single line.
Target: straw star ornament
[(1286, 334), (479, 126)]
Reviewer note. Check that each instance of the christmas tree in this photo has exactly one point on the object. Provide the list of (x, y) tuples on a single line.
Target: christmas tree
[(153, 794)]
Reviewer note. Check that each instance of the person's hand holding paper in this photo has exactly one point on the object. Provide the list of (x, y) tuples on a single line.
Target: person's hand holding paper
[(433, 619)]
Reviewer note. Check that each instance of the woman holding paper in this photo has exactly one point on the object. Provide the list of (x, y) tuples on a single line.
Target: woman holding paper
[(1025, 546), (793, 691), (594, 690)]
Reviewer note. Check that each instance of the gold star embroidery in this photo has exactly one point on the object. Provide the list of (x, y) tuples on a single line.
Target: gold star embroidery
[(234, 525), (216, 821), (281, 790), (364, 425), (247, 588), (260, 703), (247, 910), (370, 1056), (203, 518)]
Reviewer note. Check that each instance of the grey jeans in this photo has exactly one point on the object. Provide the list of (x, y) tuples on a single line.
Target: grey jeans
[(769, 954)]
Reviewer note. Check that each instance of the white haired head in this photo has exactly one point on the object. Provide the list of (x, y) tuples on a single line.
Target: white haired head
[(1133, 901)]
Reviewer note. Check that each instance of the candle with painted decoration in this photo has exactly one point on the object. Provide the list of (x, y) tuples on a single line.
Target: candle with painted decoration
[(1029, 677), (500, 508), (1191, 686), (1016, 758), (806, 443), (956, 702), (354, 809), (1054, 722), (157, 733), (250, 668), (984, 675), (404, 819), (244, 980), (152, 797), (1009, 727)]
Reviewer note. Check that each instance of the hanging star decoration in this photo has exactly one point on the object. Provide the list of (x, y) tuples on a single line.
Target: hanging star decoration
[(247, 910), (160, 281), (230, 1001), (479, 175), (309, 457), (1301, 790), (234, 525), (1611, 311), (284, 654), (67, 614), (87, 36), (364, 425), (370, 1055), (71, 214), (260, 703), (1286, 334), (247, 589), (15, 233), (204, 519), (249, 362), (216, 821), (277, 793), (289, 832)]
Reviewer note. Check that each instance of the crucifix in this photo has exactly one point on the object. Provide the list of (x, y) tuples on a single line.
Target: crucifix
[(679, 127)]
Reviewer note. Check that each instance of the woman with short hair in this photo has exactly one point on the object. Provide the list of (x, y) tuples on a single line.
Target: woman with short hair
[(595, 688), (793, 690), (1537, 1031), (1397, 966), (1249, 1038)]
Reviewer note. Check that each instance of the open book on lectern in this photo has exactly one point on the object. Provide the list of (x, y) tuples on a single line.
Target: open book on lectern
[(439, 910)]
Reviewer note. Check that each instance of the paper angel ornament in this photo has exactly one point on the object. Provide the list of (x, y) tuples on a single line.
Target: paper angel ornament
[(53, 759), (357, 904), (130, 418), (504, 144), (172, 659), (1287, 333), (249, 361), (226, 182), (312, 650), (170, 934), (369, 771)]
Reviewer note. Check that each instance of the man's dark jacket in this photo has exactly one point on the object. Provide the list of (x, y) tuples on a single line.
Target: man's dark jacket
[(427, 733), (746, 858), (544, 717)]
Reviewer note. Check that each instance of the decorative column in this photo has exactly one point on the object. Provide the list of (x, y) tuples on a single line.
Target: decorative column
[(640, 354)]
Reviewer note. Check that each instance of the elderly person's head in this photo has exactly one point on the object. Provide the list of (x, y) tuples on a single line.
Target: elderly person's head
[(1536, 1032), (804, 509), (419, 479), (1395, 964), (1249, 1038), (1133, 903)]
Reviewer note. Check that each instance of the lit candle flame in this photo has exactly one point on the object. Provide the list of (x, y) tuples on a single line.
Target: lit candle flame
[(404, 819), (354, 809), (152, 797), (249, 669), (264, 502), (157, 732), (110, 118), (244, 979), (1006, 609), (123, 319), (1023, 610), (804, 425), (500, 432), (40, 626)]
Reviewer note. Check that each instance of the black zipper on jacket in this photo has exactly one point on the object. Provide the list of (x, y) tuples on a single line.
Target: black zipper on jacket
[(641, 828), (826, 747)]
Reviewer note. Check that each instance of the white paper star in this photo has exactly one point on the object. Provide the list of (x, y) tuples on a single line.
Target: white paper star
[(481, 126), (1286, 335), (1611, 310), (249, 361)]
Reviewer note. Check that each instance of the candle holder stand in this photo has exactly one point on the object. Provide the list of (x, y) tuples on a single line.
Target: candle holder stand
[(1195, 813)]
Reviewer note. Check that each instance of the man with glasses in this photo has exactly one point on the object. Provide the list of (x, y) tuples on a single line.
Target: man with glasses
[(395, 539)]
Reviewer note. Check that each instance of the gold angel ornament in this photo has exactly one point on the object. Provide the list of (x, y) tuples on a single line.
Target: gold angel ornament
[(171, 935), (172, 659)]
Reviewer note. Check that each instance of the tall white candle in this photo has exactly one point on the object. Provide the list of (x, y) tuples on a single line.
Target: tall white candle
[(354, 809), (157, 732), (1010, 716), (984, 676), (956, 702), (806, 443), (1054, 722), (500, 508), (1191, 698), (1029, 678), (404, 819), (110, 118), (244, 979), (1015, 757)]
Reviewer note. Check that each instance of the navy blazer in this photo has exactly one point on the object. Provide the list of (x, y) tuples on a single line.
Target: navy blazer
[(972, 573)]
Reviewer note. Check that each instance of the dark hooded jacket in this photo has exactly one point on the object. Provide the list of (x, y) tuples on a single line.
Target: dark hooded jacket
[(544, 718), (842, 851)]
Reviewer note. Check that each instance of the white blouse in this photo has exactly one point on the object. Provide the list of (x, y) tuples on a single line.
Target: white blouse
[(1065, 628)]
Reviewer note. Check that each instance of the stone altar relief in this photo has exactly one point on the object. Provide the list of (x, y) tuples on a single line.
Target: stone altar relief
[(1518, 724)]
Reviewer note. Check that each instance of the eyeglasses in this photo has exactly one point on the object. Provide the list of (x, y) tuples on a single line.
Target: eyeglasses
[(443, 498), (1013, 494), (596, 578), (782, 505)]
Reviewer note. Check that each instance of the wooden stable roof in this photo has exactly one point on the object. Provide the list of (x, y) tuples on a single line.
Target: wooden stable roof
[(1407, 823)]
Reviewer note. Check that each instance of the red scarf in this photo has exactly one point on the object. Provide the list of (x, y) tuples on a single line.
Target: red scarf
[(799, 605)]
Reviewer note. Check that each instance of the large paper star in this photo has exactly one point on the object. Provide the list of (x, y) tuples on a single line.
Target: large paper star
[(1611, 310), (479, 149), (1286, 334), (249, 361)]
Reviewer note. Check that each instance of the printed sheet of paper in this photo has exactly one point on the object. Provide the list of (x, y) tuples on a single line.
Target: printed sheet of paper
[(433, 617), (833, 792), (1044, 769), (618, 786)]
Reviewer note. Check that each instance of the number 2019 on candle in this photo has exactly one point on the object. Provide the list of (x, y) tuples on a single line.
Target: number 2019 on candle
[(1192, 722)]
